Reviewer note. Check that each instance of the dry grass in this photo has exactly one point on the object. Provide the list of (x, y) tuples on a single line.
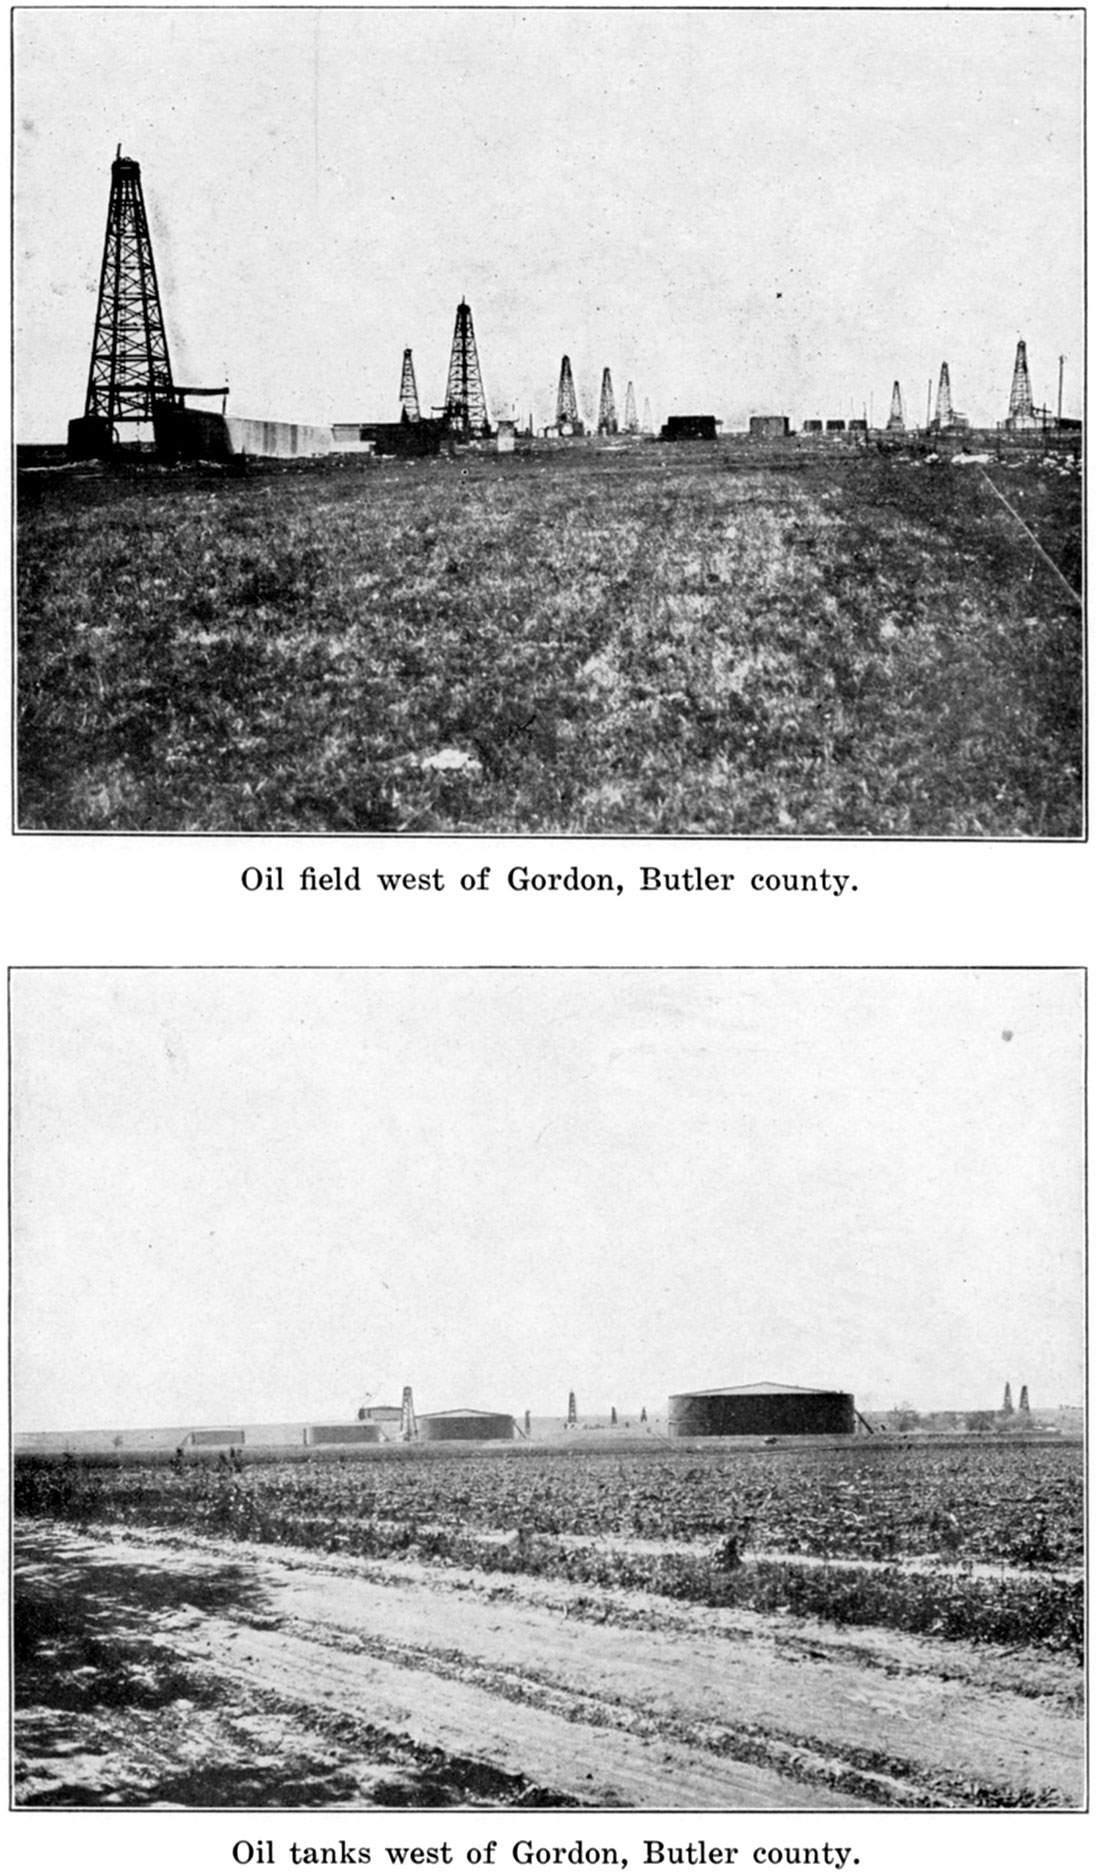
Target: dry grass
[(646, 641)]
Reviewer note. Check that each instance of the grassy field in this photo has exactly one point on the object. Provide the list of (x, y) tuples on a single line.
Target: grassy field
[(643, 641)]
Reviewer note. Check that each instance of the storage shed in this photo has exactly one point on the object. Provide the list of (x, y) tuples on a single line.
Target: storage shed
[(764, 1407), (466, 1423), (696, 429), (769, 426)]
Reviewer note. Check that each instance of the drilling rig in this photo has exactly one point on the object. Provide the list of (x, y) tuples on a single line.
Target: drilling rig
[(130, 378)]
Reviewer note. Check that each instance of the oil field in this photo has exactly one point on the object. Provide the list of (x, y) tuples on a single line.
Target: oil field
[(649, 565), (674, 638), (668, 1257)]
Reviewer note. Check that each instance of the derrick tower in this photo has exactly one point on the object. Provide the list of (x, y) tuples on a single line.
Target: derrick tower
[(130, 369), (943, 399), (608, 424), (1007, 1407), (408, 1415), (647, 418), (567, 416), (571, 1418), (895, 421), (464, 403), (630, 413), (410, 402), (1025, 1403), (1021, 409)]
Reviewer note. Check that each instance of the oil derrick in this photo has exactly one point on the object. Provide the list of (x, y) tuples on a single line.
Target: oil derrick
[(630, 415), (130, 378), (408, 1415), (567, 416), (608, 423), (410, 403), (1025, 1404), (571, 1417), (614, 1418), (895, 421), (942, 419), (647, 419), (464, 404), (130, 369), (1021, 409), (1007, 1405)]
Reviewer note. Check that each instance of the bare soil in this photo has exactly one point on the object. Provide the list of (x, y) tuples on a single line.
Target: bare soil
[(156, 1670)]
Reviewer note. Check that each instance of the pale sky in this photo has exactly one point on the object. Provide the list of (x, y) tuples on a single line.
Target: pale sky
[(738, 211), (266, 1195)]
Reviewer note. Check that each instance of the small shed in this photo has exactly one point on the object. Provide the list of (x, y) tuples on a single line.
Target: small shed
[(769, 426), (690, 430)]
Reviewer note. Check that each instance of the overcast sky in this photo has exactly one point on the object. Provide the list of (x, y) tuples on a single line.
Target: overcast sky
[(740, 211), (270, 1195)]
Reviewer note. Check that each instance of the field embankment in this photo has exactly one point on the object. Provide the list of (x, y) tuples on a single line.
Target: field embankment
[(648, 641)]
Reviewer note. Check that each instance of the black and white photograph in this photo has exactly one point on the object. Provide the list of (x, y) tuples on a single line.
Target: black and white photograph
[(565, 1390), (590, 422)]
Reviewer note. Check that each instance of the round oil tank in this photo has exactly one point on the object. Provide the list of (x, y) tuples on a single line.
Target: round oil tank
[(761, 1409), (353, 1433), (464, 1423)]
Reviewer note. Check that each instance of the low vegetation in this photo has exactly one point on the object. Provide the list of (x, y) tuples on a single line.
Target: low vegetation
[(965, 1543), (636, 641)]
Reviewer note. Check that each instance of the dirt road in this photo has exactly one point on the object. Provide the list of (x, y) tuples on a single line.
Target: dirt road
[(155, 1670)]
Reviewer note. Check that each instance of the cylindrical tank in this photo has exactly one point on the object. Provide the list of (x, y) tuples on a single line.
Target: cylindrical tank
[(466, 1424), (760, 1410), (355, 1433)]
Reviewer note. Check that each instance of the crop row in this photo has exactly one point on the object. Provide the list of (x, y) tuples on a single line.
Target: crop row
[(317, 1511), (1015, 1505)]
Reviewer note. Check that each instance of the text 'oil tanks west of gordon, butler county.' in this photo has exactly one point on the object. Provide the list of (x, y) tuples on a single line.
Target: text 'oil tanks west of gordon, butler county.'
[(762, 1408)]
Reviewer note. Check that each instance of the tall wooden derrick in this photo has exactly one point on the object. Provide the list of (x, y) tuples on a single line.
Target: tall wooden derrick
[(410, 402), (896, 420), (130, 377), (608, 423), (130, 368), (947, 417), (464, 403), (647, 418), (1021, 407), (630, 412), (566, 414)]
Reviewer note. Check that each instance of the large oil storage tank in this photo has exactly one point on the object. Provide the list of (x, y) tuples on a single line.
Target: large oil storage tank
[(351, 1433), (466, 1423), (764, 1407)]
